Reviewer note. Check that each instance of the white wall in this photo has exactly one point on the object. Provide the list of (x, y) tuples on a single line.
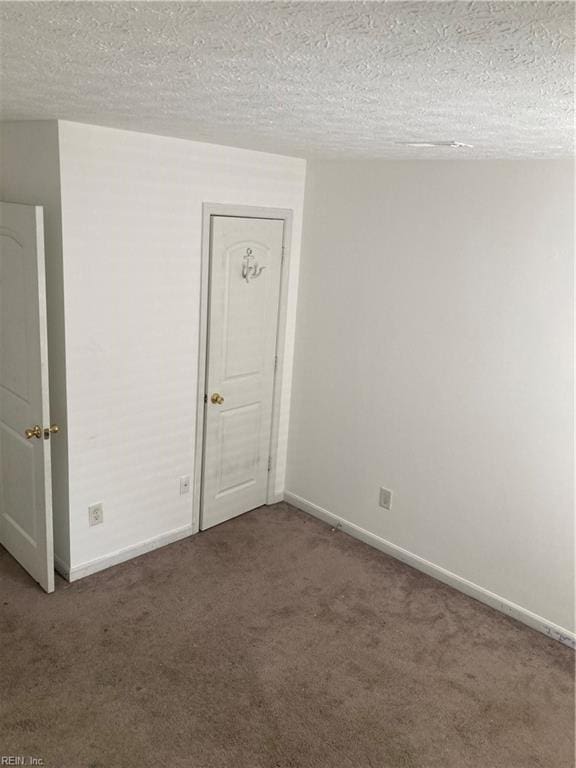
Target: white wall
[(131, 217), (29, 173), (434, 357)]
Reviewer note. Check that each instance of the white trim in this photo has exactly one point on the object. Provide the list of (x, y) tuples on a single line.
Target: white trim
[(286, 216), (61, 567), (100, 563), (447, 577), (47, 580), (247, 212)]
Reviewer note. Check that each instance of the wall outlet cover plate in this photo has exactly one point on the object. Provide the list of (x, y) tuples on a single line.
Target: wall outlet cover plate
[(385, 498), (96, 514)]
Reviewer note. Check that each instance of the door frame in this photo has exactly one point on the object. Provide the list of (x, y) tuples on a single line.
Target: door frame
[(244, 212)]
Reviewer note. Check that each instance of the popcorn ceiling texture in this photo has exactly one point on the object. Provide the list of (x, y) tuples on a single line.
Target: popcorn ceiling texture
[(324, 79)]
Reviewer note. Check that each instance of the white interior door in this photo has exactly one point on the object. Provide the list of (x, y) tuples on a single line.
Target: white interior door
[(244, 292), (25, 475)]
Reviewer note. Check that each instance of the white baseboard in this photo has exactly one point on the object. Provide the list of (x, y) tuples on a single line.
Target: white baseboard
[(447, 577), (120, 556)]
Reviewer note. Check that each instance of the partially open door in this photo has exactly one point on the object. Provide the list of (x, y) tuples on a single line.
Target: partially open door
[(25, 431)]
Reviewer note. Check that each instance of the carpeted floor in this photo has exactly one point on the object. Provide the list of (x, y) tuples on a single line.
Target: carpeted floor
[(273, 641)]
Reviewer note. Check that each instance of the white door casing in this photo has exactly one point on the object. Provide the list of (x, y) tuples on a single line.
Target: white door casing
[(25, 467), (244, 293)]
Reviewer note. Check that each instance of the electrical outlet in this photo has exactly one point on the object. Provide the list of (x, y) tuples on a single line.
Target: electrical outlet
[(184, 484), (96, 514), (385, 498)]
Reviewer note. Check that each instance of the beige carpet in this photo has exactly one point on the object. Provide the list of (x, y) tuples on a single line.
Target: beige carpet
[(272, 641)]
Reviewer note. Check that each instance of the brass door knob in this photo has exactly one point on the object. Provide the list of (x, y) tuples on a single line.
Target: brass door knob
[(37, 431), (217, 399)]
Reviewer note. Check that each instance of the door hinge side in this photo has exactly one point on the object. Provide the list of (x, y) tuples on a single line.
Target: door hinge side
[(283, 251), (269, 463), (275, 362)]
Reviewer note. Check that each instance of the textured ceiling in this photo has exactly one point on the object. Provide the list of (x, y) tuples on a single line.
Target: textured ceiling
[(326, 79)]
